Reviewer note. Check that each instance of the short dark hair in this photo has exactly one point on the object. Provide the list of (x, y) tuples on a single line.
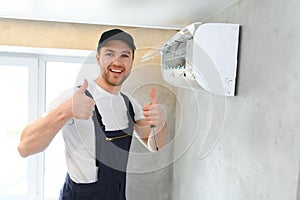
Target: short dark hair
[(116, 34)]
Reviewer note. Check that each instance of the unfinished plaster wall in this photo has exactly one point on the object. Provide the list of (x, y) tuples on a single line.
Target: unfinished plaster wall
[(257, 156)]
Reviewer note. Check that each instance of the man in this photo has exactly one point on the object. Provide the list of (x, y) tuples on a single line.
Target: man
[(97, 123)]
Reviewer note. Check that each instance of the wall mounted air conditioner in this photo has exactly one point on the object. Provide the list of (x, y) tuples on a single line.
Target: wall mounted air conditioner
[(203, 56)]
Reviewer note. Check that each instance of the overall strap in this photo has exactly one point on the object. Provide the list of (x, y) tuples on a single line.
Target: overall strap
[(96, 115), (130, 111), (99, 130)]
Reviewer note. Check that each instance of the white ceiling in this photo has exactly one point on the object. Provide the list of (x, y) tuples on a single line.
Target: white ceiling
[(155, 13)]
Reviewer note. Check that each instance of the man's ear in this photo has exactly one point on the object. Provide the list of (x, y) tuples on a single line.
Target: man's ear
[(97, 57)]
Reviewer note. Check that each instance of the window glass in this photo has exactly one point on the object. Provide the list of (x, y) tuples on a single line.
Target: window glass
[(14, 116)]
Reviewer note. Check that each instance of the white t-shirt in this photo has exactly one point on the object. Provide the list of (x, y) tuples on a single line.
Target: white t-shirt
[(79, 135)]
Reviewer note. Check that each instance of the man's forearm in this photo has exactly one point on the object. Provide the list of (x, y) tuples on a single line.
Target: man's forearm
[(37, 136)]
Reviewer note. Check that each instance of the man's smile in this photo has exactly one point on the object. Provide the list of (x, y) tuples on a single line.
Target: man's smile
[(116, 70)]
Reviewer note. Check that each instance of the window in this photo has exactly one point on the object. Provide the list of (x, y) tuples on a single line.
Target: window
[(16, 77), (29, 81)]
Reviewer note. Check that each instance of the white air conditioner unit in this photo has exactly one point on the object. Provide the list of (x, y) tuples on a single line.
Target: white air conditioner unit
[(203, 56)]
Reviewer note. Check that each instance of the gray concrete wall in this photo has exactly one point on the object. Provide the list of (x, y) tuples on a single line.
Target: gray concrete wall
[(257, 155)]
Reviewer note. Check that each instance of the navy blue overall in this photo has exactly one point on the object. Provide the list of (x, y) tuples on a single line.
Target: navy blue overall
[(112, 148)]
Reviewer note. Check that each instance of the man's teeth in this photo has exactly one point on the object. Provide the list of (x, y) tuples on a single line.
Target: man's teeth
[(116, 70)]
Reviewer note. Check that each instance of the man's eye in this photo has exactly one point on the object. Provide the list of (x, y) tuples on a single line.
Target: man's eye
[(125, 55), (109, 54)]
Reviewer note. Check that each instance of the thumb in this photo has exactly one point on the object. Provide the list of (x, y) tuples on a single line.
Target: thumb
[(153, 96), (83, 87)]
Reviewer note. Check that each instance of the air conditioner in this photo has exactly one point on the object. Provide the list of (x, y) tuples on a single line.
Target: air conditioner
[(203, 57)]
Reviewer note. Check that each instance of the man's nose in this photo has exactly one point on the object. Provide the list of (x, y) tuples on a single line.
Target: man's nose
[(117, 61)]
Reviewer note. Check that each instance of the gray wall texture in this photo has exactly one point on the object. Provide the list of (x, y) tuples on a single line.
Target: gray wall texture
[(257, 154)]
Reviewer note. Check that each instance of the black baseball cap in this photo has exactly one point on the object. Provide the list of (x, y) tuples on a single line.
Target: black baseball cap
[(115, 34)]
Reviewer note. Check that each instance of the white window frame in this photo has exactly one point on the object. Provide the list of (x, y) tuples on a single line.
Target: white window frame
[(36, 59)]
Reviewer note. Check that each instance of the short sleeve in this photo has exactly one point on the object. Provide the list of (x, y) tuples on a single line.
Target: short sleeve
[(61, 98)]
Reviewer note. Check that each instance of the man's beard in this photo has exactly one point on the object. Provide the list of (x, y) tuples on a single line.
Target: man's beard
[(119, 82)]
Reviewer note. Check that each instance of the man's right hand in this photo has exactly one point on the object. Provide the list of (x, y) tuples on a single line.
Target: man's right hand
[(82, 105)]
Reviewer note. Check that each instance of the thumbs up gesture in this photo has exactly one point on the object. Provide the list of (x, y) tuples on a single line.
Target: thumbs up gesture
[(82, 105), (154, 113)]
